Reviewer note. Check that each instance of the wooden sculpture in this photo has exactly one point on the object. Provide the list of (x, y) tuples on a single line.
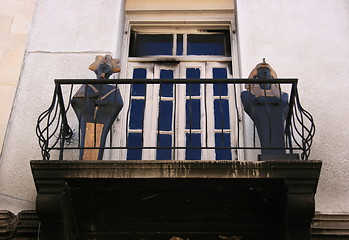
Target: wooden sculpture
[(267, 106), (97, 106)]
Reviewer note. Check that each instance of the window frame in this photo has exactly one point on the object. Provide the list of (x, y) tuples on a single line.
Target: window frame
[(180, 22)]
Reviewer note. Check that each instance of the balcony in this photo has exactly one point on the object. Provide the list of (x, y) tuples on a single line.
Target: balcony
[(200, 184), (59, 129)]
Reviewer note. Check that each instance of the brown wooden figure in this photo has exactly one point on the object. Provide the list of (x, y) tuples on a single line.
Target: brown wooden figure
[(267, 106), (97, 106)]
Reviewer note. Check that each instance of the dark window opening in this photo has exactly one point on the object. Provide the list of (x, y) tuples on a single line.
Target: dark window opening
[(150, 44), (215, 43)]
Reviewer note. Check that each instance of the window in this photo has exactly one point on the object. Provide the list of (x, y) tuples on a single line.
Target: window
[(178, 115), (211, 43), (182, 115)]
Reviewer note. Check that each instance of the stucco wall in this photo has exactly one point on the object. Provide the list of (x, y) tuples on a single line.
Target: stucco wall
[(15, 21), (308, 40), (178, 4), (301, 39), (65, 38)]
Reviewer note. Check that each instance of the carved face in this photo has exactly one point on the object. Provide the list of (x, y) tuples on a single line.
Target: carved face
[(103, 71), (264, 73)]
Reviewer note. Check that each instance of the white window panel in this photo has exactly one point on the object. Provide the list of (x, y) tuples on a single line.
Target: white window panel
[(208, 130), (203, 94)]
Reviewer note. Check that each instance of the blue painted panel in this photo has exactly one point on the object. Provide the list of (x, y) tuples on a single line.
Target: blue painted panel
[(219, 73), (165, 115), (221, 114), (134, 140), (139, 89), (165, 140), (193, 89), (193, 140), (220, 89), (223, 140), (206, 44), (136, 114), (193, 112), (139, 73), (153, 44), (166, 90)]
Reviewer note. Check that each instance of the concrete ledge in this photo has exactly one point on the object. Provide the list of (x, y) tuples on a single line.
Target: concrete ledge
[(160, 199), (176, 169), (330, 226)]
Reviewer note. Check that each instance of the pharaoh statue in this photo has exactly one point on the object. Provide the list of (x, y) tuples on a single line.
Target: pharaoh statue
[(267, 106), (97, 106)]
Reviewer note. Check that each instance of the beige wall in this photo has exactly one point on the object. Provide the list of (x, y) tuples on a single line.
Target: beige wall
[(65, 36), (178, 4), (15, 21)]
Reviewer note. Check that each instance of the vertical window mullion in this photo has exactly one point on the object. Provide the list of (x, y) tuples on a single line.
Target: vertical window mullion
[(159, 115), (185, 44), (174, 46)]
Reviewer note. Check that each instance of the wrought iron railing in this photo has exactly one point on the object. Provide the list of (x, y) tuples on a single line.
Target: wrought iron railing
[(59, 130)]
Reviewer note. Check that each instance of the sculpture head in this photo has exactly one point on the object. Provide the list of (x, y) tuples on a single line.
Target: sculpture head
[(105, 66), (263, 71)]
